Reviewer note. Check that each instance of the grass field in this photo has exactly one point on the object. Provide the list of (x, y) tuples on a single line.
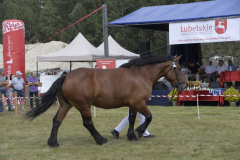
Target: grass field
[(180, 135)]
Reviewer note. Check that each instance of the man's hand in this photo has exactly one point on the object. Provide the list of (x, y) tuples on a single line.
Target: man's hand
[(7, 82)]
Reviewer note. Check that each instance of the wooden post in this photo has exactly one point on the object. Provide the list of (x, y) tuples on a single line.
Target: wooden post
[(15, 101)]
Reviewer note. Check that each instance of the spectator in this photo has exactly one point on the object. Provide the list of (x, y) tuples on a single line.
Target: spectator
[(220, 68), (11, 90), (184, 69), (18, 84), (231, 66), (194, 71), (198, 64), (210, 71), (33, 88), (96, 66), (3, 90), (42, 73)]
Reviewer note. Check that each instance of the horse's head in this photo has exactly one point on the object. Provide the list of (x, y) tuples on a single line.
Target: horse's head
[(174, 74)]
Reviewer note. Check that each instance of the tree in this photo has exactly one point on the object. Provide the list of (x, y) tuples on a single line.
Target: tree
[(48, 22)]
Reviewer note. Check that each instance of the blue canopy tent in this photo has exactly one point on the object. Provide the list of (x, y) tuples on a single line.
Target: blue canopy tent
[(158, 18)]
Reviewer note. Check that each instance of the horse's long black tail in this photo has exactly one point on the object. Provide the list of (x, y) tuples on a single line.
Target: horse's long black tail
[(47, 99)]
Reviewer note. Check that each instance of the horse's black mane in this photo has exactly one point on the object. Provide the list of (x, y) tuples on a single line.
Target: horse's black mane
[(149, 59)]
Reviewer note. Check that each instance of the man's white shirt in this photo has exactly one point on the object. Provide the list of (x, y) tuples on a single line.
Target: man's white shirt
[(223, 68), (210, 69)]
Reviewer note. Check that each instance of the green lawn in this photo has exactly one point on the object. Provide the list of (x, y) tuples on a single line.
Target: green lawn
[(180, 135)]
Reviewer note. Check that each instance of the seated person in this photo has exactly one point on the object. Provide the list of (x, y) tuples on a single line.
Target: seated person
[(202, 67), (184, 69), (231, 66), (222, 67), (193, 71), (238, 68), (210, 72)]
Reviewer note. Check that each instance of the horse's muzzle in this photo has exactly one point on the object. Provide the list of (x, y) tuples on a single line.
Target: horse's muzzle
[(181, 87)]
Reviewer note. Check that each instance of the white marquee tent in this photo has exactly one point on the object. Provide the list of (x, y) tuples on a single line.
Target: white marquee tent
[(115, 50), (78, 50), (81, 50)]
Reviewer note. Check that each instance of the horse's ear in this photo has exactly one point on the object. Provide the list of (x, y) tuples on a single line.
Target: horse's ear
[(177, 58)]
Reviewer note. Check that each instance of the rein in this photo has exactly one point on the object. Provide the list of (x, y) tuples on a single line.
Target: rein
[(175, 69)]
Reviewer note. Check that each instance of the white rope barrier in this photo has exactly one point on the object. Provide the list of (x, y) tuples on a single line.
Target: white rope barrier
[(195, 95)]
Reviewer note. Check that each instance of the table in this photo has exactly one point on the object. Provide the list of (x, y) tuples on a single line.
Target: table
[(200, 98), (229, 76)]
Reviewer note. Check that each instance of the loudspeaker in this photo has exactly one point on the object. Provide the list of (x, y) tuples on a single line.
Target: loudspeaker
[(214, 85), (159, 86), (144, 48)]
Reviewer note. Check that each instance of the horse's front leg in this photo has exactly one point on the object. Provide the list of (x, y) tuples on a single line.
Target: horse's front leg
[(142, 108), (131, 117)]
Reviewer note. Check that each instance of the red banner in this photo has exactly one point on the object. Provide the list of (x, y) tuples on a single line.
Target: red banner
[(106, 63), (14, 47)]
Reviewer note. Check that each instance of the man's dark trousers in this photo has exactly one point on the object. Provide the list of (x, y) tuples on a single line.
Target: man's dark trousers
[(31, 99)]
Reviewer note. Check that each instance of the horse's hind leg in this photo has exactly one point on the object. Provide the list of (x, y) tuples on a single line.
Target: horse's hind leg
[(131, 117), (144, 111), (88, 123), (57, 120)]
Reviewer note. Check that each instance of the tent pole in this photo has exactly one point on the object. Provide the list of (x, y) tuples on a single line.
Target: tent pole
[(105, 31), (92, 64), (37, 70), (70, 66), (168, 46)]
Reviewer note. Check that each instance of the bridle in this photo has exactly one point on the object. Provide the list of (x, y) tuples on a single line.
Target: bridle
[(175, 69)]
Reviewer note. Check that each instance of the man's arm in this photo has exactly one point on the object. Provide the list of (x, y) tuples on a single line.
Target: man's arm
[(30, 83), (23, 82), (6, 82), (187, 72), (35, 83), (199, 71)]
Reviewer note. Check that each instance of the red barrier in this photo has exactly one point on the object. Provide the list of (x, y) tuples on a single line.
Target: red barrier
[(14, 47)]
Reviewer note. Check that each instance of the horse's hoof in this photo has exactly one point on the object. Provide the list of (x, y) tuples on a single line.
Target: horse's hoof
[(103, 142), (132, 137), (138, 135), (53, 144)]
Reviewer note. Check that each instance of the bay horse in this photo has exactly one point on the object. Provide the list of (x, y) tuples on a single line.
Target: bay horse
[(130, 85)]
